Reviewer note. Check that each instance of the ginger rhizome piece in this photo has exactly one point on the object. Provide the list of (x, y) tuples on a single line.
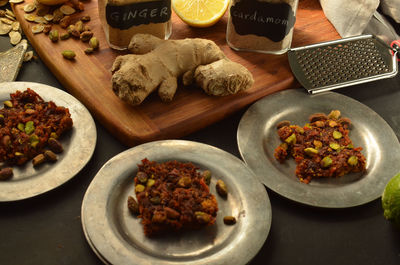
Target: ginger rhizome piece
[(158, 63)]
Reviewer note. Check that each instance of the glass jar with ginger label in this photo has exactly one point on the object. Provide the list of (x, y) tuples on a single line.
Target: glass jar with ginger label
[(261, 25), (121, 19)]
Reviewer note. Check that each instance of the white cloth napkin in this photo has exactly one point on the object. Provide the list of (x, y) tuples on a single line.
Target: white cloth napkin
[(355, 17)]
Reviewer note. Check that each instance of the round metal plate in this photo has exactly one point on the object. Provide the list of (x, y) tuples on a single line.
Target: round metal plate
[(257, 139), (79, 144), (117, 237)]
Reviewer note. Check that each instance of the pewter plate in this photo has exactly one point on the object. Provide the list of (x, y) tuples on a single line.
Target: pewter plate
[(257, 139), (117, 237), (79, 144)]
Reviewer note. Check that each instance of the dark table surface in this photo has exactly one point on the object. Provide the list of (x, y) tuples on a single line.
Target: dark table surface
[(47, 229)]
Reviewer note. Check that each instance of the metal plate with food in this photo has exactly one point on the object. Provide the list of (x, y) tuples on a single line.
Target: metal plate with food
[(257, 139), (117, 236), (76, 145)]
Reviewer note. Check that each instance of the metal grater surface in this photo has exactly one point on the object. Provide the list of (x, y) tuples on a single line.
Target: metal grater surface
[(345, 62)]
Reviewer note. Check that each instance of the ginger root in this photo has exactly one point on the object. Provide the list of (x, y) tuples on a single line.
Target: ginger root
[(158, 63)]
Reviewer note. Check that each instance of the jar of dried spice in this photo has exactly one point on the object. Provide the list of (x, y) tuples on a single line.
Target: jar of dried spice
[(121, 19), (261, 25)]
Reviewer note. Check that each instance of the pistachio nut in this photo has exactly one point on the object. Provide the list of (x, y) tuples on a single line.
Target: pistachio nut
[(6, 173), (139, 188), (94, 43), (133, 206), (68, 54), (352, 161), (53, 35), (206, 176), (326, 161), (229, 220), (38, 160), (221, 188)]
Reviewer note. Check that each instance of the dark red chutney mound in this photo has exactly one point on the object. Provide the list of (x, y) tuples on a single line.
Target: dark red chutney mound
[(27, 122), (173, 196), (321, 149)]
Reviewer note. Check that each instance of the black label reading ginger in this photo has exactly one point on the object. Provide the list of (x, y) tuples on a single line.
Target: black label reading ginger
[(135, 14), (271, 20)]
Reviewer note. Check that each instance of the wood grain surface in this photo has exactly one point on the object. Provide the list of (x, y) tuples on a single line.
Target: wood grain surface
[(88, 76)]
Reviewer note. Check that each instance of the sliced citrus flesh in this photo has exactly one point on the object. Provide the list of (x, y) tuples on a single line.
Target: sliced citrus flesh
[(200, 13)]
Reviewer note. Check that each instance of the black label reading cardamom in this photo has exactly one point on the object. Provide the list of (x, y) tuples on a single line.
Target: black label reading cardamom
[(135, 14), (271, 20)]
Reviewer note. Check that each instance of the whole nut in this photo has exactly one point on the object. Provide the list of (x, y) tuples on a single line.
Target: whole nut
[(6, 173), (86, 36), (53, 35), (39, 159), (70, 55), (50, 155), (65, 22), (94, 43)]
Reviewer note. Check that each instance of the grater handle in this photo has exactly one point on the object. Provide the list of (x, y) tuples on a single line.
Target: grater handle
[(396, 49)]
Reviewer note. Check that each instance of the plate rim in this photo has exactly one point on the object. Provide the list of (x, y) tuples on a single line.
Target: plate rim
[(14, 193), (271, 183), (86, 213)]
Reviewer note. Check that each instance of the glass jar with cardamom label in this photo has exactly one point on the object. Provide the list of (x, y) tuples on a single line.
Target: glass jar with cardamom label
[(121, 19), (261, 25)]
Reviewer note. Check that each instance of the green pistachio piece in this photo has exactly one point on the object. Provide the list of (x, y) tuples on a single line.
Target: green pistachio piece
[(207, 176), (202, 217), (150, 182), (335, 114), (139, 188), (29, 127), (291, 139), (21, 127), (8, 103), (53, 135), (68, 54), (94, 43), (337, 134), (334, 146), (326, 161), (310, 151), (352, 161), (184, 182)]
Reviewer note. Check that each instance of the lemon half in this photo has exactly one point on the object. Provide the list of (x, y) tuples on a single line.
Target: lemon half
[(200, 13)]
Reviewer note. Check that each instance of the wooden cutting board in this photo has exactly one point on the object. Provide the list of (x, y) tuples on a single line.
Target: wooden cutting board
[(88, 76)]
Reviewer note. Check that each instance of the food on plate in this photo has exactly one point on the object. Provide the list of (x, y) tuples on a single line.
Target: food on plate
[(391, 200), (30, 128), (322, 148), (172, 196), (157, 64), (200, 13)]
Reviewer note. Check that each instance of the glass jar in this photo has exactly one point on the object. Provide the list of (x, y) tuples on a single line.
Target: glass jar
[(261, 25), (121, 19)]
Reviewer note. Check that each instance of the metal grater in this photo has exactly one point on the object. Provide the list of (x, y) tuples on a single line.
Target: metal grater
[(340, 63)]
